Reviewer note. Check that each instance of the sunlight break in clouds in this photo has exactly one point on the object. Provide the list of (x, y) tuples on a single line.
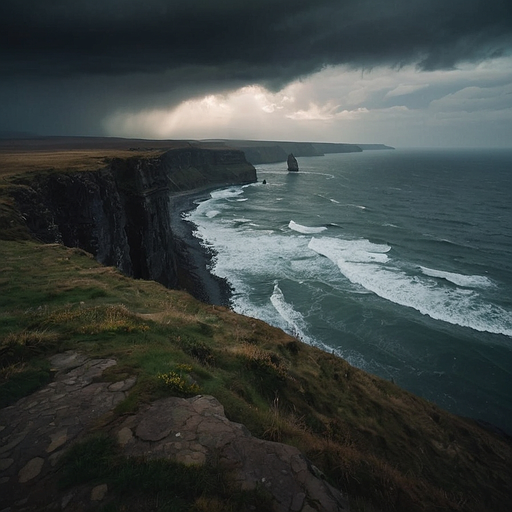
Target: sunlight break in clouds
[(219, 115), (198, 115), (396, 107)]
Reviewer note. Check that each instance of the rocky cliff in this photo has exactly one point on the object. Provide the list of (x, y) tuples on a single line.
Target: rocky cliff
[(122, 214), (265, 152)]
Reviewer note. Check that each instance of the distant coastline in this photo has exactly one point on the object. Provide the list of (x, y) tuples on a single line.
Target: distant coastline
[(268, 152)]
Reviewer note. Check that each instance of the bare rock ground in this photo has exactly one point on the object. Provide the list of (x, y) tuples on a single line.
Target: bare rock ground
[(36, 431)]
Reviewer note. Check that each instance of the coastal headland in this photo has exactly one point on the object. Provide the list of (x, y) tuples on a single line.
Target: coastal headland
[(127, 383)]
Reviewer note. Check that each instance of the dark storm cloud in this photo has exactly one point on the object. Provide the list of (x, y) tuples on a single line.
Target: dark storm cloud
[(265, 41), (66, 65)]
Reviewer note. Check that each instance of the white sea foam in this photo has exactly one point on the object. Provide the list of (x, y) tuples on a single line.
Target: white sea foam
[(360, 262), (361, 251), (294, 320), (472, 281), (265, 254), (305, 229), (212, 213), (350, 317), (227, 193), (312, 173), (243, 250)]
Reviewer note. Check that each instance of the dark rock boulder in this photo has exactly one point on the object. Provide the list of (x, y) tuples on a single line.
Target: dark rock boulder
[(292, 163)]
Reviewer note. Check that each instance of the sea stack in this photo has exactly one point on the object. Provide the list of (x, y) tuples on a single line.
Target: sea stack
[(292, 163)]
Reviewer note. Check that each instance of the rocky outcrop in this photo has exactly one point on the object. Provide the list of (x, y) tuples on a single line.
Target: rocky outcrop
[(292, 163), (122, 213), (38, 429), (192, 430)]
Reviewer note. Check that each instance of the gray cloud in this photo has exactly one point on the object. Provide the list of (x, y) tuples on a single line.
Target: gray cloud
[(64, 65), (267, 41)]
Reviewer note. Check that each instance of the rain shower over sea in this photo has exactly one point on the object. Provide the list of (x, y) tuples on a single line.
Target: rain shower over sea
[(398, 261)]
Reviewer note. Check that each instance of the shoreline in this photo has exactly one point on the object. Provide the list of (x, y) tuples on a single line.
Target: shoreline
[(194, 259)]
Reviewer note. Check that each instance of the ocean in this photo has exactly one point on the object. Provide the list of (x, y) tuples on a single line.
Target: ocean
[(398, 261)]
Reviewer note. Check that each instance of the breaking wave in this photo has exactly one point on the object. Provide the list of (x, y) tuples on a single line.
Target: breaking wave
[(305, 229), (366, 264), (294, 320), (459, 279)]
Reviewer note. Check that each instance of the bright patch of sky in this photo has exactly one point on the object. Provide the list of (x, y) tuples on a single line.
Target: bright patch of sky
[(467, 106)]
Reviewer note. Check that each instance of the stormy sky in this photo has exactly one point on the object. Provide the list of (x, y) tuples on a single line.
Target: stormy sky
[(400, 72)]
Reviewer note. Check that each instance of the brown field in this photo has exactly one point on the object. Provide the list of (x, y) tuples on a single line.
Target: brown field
[(79, 153)]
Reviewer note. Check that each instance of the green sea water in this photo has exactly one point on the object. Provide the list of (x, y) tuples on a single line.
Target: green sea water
[(398, 261)]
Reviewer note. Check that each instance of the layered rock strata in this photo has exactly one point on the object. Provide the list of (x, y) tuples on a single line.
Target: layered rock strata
[(122, 213)]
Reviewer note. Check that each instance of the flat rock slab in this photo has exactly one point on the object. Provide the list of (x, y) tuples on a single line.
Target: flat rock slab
[(36, 431), (38, 428), (189, 430)]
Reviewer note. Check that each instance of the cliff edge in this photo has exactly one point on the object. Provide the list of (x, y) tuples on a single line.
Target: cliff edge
[(122, 213)]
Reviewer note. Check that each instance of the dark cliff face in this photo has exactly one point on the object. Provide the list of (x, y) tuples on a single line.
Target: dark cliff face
[(191, 168), (82, 210), (266, 152), (122, 214)]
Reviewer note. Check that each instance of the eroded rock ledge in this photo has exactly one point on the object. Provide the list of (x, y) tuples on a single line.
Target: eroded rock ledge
[(35, 432)]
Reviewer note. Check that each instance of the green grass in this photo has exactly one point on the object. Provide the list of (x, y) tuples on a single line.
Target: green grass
[(388, 449), (159, 485), (18, 380)]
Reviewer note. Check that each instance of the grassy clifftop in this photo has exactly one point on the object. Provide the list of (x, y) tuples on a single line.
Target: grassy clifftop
[(387, 449)]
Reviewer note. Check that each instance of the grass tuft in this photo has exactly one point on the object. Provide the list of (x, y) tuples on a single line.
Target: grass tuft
[(20, 379), (159, 485), (19, 346), (199, 350), (98, 319), (22, 368)]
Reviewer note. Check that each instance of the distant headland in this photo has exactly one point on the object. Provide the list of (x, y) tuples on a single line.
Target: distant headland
[(256, 151), (267, 151)]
